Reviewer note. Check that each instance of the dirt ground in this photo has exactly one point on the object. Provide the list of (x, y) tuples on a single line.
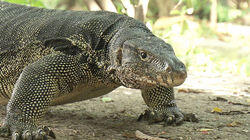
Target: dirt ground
[(117, 119)]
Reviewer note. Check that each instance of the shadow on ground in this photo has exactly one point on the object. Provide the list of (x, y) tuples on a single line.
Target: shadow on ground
[(116, 119)]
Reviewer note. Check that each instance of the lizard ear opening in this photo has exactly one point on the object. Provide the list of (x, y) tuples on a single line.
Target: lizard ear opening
[(63, 45), (116, 60), (119, 57)]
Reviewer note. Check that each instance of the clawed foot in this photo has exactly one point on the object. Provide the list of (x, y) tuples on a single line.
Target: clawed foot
[(4, 131), (170, 116), (190, 117), (41, 133)]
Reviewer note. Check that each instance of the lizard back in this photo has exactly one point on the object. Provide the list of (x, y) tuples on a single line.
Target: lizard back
[(25, 29)]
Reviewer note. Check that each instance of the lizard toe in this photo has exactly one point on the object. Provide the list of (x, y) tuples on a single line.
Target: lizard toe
[(40, 134), (27, 135), (173, 116), (49, 132), (150, 116), (5, 131), (46, 131), (190, 117), (170, 120), (16, 136), (170, 116)]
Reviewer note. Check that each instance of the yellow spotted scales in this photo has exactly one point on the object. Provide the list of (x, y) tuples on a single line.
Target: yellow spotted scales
[(53, 57)]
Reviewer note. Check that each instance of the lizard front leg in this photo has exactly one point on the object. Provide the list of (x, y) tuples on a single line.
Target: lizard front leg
[(34, 91), (162, 106), (30, 99)]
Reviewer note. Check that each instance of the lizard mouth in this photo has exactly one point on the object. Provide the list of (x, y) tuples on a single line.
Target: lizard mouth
[(172, 79), (134, 79), (142, 82)]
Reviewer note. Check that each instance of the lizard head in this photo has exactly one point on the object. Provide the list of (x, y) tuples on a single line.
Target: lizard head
[(146, 61)]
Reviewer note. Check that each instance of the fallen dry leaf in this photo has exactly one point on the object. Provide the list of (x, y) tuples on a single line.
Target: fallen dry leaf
[(248, 100), (129, 135), (204, 132), (245, 130), (234, 124), (234, 112), (205, 129), (107, 99), (220, 99), (162, 133), (191, 90), (217, 110)]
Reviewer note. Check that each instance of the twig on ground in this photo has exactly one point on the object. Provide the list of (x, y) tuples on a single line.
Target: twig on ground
[(142, 136), (230, 102)]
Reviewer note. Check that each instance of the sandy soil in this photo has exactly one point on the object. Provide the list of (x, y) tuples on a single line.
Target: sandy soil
[(117, 119)]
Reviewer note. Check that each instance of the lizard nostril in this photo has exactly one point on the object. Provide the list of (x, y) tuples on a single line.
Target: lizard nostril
[(182, 66), (184, 74)]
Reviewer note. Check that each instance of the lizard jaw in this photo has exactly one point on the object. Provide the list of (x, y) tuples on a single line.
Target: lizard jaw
[(143, 82)]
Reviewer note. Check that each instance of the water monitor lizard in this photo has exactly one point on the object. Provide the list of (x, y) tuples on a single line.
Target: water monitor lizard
[(53, 57)]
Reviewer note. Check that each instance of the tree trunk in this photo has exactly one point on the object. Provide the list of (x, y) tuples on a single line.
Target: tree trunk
[(69, 4), (129, 8), (92, 5), (165, 7), (107, 5), (141, 10), (137, 11), (213, 13)]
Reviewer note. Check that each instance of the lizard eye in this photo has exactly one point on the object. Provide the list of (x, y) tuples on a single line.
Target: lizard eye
[(143, 55)]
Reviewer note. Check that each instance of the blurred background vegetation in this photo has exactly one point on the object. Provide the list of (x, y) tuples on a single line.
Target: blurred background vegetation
[(210, 36)]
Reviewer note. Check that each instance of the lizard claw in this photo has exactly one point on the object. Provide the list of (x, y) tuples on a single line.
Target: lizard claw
[(190, 117), (170, 116), (174, 116), (170, 120), (27, 135), (41, 133), (16, 136), (4, 131), (49, 132)]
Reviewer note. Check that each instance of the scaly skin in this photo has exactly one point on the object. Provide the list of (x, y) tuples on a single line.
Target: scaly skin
[(53, 57)]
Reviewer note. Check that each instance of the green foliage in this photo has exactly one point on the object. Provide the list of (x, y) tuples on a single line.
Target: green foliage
[(152, 11), (227, 14), (119, 7), (199, 8), (201, 49), (134, 2), (106, 99), (186, 35), (184, 26), (36, 3), (205, 31)]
